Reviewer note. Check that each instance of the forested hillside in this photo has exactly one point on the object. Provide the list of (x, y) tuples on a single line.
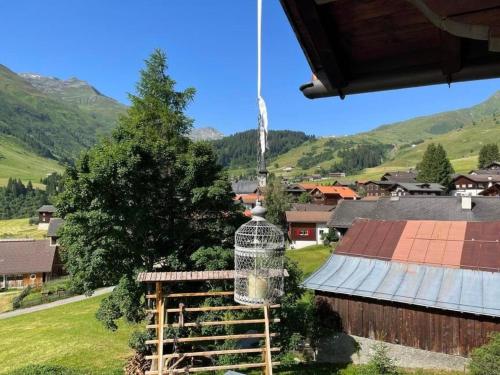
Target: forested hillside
[(240, 150), (401, 145), (20, 200)]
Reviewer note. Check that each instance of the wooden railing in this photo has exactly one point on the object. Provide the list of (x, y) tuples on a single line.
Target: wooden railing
[(171, 363)]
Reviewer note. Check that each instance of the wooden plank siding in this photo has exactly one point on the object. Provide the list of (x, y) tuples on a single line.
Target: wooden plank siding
[(410, 325)]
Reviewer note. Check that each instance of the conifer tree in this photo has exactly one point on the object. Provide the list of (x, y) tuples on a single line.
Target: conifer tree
[(435, 166), (146, 196), (488, 154)]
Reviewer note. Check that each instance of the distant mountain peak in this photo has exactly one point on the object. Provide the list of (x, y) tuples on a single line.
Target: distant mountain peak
[(207, 133), (72, 89)]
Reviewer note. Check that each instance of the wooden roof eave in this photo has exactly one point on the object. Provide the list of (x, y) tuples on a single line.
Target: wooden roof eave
[(317, 89), (319, 50), (320, 42)]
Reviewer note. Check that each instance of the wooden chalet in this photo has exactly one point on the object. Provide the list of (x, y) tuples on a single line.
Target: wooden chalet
[(492, 191), (416, 188), (364, 46), (431, 285), (331, 195), (472, 184), (28, 262), (45, 213), (376, 188)]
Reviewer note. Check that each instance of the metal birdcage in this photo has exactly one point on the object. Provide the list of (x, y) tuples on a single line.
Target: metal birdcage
[(258, 258)]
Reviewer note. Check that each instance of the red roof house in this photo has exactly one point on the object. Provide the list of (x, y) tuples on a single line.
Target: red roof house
[(331, 195)]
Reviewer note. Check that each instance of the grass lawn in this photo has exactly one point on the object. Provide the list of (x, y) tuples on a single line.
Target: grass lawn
[(69, 336), (310, 258), (20, 228)]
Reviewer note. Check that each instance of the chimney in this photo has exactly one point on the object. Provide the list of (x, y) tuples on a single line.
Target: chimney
[(466, 202)]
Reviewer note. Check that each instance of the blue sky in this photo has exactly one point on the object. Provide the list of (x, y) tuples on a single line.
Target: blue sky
[(211, 45)]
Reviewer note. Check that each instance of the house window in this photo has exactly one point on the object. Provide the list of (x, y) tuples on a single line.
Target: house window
[(457, 186), (304, 233), (470, 185), (33, 276), (464, 185)]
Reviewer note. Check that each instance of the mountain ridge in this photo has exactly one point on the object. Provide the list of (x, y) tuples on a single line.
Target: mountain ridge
[(42, 126), (58, 118), (409, 138)]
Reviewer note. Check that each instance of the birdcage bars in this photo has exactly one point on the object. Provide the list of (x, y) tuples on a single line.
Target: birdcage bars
[(259, 268)]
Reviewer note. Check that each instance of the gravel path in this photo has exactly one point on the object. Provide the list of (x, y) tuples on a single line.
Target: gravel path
[(51, 305)]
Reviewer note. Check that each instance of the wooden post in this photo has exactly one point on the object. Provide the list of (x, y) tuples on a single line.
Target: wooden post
[(181, 315), (268, 359), (160, 311)]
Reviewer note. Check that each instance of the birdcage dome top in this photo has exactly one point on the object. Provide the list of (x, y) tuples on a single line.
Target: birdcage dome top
[(258, 234)]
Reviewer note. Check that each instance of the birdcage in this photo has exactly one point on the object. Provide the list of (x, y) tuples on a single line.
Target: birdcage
[(258, 259)]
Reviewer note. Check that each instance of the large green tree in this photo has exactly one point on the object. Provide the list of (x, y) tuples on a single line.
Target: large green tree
[(146, 196), (435, 166), (488, 154)]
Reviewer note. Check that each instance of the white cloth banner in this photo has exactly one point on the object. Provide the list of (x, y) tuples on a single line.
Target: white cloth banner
[(262, 125)]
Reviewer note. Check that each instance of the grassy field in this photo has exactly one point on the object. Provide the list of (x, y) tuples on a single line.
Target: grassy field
[(20, 228), (310, 258), (16, 161), (69, 336)]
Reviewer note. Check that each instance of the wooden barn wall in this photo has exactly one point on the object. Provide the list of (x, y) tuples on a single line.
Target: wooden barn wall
[(419, 327)]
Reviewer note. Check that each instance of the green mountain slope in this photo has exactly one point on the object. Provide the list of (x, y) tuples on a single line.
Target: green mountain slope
[(45, 122), (47, 125), (461, 132), (19, 162)]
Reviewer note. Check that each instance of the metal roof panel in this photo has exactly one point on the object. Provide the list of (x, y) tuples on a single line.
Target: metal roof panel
[(462, 290), (429, 287), (410, 283)]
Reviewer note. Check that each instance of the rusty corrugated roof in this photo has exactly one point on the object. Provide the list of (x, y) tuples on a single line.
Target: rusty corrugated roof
[(458, 244)]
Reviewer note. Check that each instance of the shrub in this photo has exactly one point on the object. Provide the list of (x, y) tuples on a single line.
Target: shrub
[(329, 237), (137, 341), (380, 362), (16, 302), (486, 359), (34, 220)]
